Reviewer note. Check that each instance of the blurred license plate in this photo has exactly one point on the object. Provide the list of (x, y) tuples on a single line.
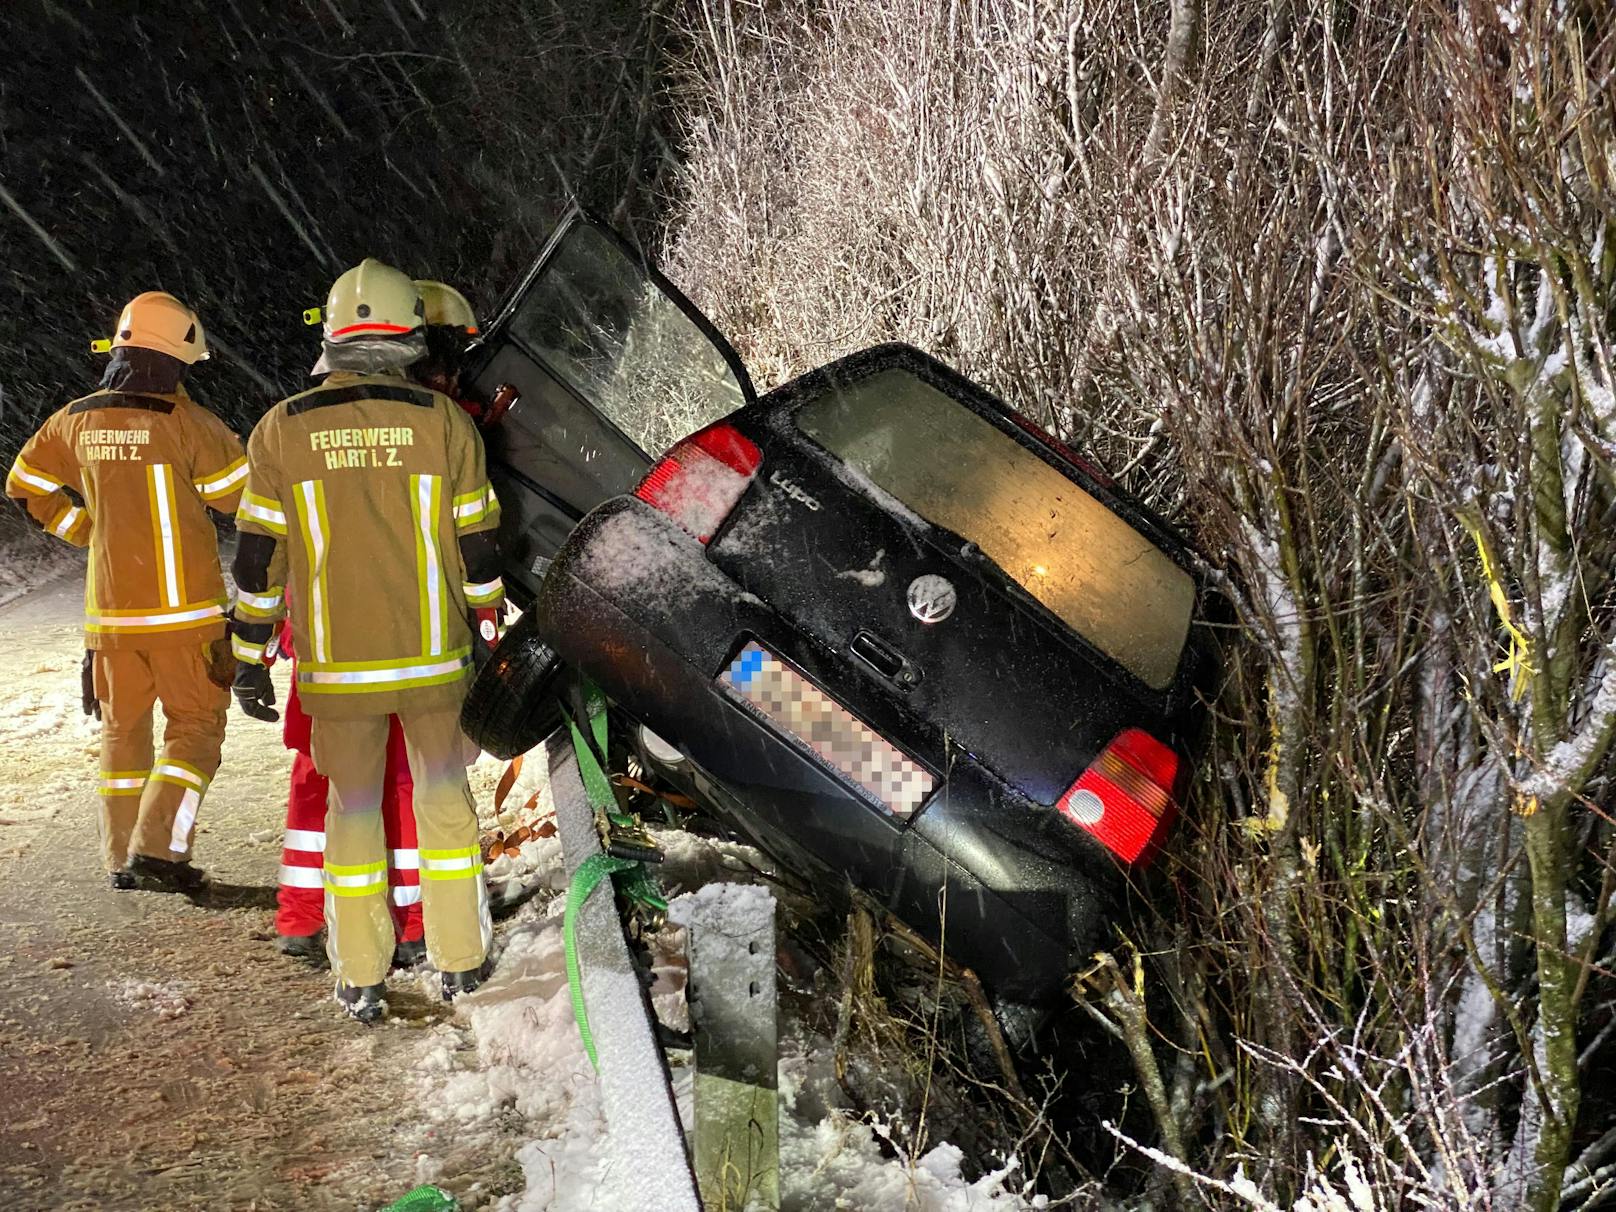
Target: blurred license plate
[(837, 737)]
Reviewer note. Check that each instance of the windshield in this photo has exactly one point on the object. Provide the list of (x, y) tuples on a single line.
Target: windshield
[(958, 471), (598, 320)]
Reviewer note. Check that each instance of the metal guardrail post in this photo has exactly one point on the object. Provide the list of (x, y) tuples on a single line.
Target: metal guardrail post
[(732, 998)]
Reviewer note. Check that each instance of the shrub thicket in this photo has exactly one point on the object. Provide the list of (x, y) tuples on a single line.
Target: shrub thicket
[(1333, 285)]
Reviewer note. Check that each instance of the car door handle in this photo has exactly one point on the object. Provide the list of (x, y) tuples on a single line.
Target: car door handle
[(884, 659)]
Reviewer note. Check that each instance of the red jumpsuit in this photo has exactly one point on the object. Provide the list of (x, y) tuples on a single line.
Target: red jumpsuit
[(300, 899)]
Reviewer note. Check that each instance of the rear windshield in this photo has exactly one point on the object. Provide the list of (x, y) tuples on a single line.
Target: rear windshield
[(603, 324), (956, 470)]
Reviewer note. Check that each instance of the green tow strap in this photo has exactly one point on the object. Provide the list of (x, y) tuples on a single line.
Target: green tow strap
[(425, 1199), (590, 872), (637, 884)]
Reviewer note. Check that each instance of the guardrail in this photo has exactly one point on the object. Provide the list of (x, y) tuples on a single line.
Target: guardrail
[(643, 1129)]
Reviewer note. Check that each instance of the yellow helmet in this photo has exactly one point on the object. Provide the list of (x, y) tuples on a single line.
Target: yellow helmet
[(372, 300), (446, 307), (157, 320)]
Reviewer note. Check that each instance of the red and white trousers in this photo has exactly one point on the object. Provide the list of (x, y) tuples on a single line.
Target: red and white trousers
[(300, 899)]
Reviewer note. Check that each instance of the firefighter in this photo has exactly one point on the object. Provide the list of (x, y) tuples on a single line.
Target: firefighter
[(450, 323), (368, 507), (450, 326), (130, 471)]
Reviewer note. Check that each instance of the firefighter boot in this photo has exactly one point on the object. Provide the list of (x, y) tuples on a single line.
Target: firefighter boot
[(309, 947), (407, 953), (457, 983), (166, 875), (367, 1003)]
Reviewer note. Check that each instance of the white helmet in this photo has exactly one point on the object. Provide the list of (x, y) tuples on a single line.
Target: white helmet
[(157, 320), (372, 300)]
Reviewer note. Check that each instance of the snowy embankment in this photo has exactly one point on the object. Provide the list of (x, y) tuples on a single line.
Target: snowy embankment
[(29, 559), (513, 1050)]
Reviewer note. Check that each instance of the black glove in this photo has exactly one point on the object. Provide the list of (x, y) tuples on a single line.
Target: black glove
[(255, 692), (92, 705)]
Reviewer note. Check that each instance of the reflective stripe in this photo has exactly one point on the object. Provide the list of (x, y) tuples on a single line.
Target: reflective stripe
[(243, 650), (310, 840), (258, 605), (124, 782), (223, 481), (369, 890), (486, 593), (476, 506), (316, 540), (301, 877), (407, 894), (358, 879), (357, 868), (405, 860), (458, 864), (362, 880), (160, 484), (69, 518), (180, 773), (169, 620), (394, 677), (425, 501), (34, 478), (179, 840), (266, 511)]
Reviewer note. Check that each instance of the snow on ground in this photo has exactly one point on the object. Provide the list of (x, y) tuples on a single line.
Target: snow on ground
[(513, 1049)]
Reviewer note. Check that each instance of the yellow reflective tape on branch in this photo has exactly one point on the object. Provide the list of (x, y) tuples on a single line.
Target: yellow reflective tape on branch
[(1517, 664)]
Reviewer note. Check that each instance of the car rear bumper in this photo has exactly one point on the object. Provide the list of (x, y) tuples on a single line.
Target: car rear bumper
[(633, 602)]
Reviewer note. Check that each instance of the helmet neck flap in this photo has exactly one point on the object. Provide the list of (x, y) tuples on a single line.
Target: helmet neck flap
[(371, 356), (135, 369)]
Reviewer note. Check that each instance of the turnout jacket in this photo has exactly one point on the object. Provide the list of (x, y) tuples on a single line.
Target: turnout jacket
[(367, 492), (131, 475)]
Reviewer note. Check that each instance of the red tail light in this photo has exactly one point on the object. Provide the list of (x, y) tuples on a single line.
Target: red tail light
[(699, 481), (1125, 799)]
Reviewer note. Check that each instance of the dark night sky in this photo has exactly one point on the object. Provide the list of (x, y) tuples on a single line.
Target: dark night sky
[(241, 154)]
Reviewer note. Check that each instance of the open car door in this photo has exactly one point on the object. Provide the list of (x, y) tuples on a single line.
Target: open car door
[(610, 365)]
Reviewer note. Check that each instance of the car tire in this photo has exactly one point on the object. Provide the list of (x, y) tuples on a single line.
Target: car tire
[(514, 702)]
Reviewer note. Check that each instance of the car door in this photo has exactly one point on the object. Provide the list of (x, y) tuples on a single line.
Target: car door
[(609, 365)]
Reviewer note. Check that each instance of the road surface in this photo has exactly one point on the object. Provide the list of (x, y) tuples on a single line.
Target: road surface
[(156, 1053)]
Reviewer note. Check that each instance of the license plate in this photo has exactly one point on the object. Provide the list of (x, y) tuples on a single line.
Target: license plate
[(836, 736)]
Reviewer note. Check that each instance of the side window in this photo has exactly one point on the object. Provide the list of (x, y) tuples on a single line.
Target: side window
[(602, 323)]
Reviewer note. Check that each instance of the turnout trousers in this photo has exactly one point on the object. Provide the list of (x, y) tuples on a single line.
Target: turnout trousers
[(150, 806), (300, 899), (352, 754)]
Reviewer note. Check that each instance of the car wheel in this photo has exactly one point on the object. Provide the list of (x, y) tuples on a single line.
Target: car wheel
[(513, 702)]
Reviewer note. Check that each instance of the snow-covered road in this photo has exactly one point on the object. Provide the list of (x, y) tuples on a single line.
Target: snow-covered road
[(160, 1054)]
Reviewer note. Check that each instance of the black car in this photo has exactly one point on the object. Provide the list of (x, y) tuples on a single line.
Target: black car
[(875, 621)]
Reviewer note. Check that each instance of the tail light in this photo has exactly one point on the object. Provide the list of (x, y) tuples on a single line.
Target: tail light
[(700, 480), (1125, 799)]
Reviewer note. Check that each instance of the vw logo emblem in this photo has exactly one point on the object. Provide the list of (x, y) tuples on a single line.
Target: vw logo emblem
[(932, 598)]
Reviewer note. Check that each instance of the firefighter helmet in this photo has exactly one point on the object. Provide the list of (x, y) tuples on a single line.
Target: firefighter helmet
[(446, 307), (372, 300), (157, 320)]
